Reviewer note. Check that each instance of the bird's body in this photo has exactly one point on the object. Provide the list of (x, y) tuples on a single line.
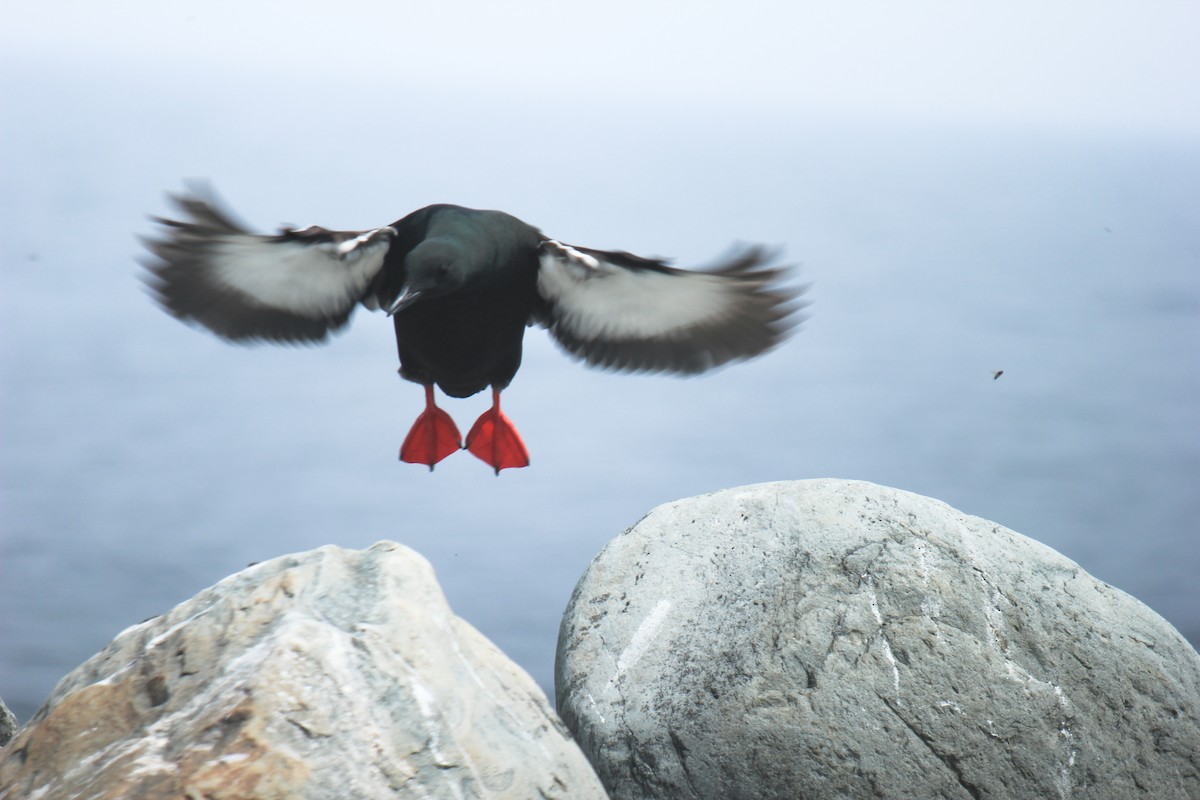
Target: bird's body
[(462, 286), (462, 344), (468, 339)]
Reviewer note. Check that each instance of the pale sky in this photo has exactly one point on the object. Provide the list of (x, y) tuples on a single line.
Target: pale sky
[(1074, 64)]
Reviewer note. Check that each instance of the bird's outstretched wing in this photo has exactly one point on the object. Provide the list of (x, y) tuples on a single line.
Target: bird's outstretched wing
[(619, 311), (294, 286)]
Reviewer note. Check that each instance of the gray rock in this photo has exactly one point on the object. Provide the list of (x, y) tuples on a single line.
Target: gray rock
[(327, 674), (8, 724), (830, 638)]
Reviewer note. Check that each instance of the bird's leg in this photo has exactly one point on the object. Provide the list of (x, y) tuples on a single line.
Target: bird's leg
[(494, 439), (432, 437)]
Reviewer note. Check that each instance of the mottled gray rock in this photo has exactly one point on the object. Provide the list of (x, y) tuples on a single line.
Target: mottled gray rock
[(327, 674), (8, 724), (820, 639)]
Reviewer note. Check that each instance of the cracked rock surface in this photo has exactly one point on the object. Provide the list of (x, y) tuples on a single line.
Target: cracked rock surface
[(328, 674), (827, 638)]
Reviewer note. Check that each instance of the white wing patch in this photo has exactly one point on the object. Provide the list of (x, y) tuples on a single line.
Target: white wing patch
[(295, 286), (618, 311), (310, 279), (596, 299)]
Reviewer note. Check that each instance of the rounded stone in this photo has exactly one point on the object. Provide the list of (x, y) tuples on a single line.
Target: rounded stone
[(831, 638)]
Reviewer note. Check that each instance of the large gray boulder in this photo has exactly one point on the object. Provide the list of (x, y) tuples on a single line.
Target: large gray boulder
[(329, 674), (820, 639)]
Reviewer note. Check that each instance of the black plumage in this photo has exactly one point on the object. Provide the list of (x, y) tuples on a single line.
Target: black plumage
[(462, 285)]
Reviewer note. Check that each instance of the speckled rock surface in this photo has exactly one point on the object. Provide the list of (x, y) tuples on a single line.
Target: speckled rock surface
[(327, 674), (8, 724), (820, 639)]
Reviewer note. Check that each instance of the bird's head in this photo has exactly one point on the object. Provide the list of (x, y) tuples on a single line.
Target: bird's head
[(434, 267)]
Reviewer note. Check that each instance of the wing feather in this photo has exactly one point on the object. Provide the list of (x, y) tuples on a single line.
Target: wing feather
[(294, 286), (619, 311)]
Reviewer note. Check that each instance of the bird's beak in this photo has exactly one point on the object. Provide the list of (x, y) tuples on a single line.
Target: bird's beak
[(406, 299)]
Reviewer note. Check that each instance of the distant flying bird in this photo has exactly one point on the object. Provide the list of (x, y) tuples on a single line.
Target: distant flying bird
[(461, 286), (996, 375)]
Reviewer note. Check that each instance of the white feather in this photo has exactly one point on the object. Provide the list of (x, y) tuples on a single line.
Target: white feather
[(310, 280), (596, 299)]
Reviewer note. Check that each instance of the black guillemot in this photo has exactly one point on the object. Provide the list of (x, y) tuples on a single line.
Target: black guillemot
[(461, 286)]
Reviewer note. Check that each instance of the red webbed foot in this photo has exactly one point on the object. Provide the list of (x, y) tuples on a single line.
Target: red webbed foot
[(494, 439), (432, 437)]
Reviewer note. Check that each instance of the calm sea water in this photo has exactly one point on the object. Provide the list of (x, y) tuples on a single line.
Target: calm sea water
[(141, 460)]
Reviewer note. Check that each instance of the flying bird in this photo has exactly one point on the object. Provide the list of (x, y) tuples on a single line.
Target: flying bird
[(461, 286)]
